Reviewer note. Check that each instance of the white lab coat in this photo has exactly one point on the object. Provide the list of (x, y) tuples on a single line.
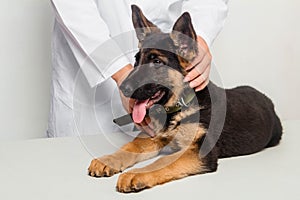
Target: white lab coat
[(93, 39)]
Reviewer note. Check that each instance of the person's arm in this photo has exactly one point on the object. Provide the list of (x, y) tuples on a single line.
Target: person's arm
[(89, 38), (208, 17), (89, 33)]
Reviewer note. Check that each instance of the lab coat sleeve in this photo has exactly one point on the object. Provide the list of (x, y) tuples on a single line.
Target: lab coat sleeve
[(89, 38), (208, 17)]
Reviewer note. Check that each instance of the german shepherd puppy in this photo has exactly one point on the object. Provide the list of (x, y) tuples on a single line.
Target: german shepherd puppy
[(244, 120)]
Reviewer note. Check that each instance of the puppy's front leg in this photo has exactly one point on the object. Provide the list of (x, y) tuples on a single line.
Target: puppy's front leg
[(165, 169), (141, 148)]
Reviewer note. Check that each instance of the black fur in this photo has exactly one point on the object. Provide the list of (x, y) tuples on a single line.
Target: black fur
[(251, 123)]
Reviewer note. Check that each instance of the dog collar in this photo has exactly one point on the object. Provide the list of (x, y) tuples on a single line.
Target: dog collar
[(182, 102)]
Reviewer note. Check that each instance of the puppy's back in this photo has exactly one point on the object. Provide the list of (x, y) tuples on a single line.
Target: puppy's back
[(251, 123)]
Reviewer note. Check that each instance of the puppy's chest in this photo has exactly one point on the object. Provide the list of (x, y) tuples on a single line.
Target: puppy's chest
[(183, 135)]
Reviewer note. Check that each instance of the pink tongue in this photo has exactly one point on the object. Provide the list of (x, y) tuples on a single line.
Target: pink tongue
[(139, 110)]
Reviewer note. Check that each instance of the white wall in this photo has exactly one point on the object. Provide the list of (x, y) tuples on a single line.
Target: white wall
[(25, 67), (258, 46)]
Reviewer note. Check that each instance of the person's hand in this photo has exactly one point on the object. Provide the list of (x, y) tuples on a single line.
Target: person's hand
[(198, 75), (128, 103)]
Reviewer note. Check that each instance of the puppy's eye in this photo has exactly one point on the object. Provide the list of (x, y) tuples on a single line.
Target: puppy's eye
[(152, 56), (157, 61)]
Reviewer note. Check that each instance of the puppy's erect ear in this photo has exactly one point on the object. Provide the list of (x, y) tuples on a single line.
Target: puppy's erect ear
[(141, 24), (184, 37)]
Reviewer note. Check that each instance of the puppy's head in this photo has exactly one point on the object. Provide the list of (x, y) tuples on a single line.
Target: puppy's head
[(157, 77)]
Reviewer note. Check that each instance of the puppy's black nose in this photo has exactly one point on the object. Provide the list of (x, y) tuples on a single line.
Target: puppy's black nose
[(126, 89)]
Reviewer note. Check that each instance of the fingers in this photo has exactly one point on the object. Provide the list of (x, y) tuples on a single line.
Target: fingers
[(146, 126), (148, 122), (202, 78), (149, 131), (131, 103), (146, 129), (128, 103), (199, 68), (202, 86), (196, 61), (202, 51)]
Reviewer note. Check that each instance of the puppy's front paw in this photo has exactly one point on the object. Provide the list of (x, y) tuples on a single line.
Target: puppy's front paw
[(134, 182), (104, 167)]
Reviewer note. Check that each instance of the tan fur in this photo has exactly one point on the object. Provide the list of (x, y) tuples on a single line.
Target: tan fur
[(163, 170), (183, 63), (181, 115), (183, 136), (141, 148), (177, 83)]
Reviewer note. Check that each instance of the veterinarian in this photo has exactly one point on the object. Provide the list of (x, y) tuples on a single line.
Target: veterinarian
[(83, 92)]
